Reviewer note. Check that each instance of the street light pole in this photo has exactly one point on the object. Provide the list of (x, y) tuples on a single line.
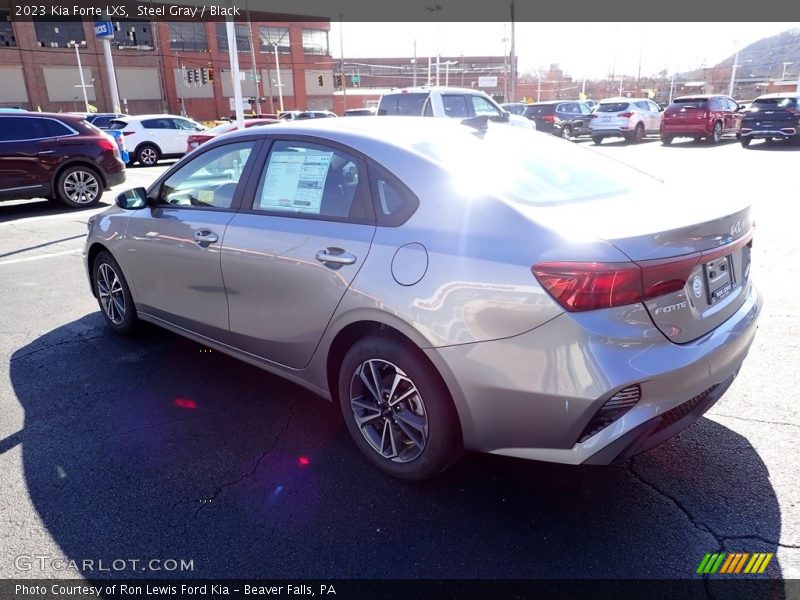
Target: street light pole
[(278, 69), (344, 79), (80, 70), (182, 81), (783, 75), (257, 105), (734, 66)]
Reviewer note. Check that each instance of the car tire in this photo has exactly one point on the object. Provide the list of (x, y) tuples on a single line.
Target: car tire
[(113, 295), (418, 436), (696, 140), (745, 141), (566, 132), (666, 140), (148, 155), (638, 134), (597, 139), (716, 134), (79, 186)]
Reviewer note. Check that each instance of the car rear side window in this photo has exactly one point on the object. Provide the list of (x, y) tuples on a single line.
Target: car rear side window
[(102, 122), (394, 202), (57, 128), (402, 104), (157, 124), (613, 107), (118, 124), (308, 179), (14, 129), (209, 180)]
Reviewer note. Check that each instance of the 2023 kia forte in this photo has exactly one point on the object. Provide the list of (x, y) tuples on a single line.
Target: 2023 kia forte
[(448, 287)]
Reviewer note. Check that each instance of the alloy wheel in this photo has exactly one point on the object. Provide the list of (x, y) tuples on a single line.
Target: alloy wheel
[(110, 292), (389, 410), (148, 156), (81, 187)]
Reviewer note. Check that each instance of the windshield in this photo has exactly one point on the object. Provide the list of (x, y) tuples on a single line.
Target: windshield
[(775, 103), (612, 107), (690, 103), (539, 111), (547, 172)]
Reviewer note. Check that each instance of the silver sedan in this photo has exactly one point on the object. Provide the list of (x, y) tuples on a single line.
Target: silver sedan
[(450, 286)]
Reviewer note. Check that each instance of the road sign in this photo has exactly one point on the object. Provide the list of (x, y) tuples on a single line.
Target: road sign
[(487, 81), (104, 30), (355, 79)]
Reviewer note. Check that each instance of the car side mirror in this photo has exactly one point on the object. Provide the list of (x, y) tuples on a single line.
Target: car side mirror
[(660, 109), (134, 199), (505, 116)]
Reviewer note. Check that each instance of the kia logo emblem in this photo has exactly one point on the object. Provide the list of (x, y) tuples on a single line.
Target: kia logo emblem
[(737, 227)]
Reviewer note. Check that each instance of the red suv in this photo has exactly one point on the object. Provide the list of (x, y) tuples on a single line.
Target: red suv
[(56, 156), (701, 116)]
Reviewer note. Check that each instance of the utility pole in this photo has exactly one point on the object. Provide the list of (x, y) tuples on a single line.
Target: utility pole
[(513, 58), (344, 78), (182, 81), (414, 63), (734, 66), (278, 70), (539, 87), (671, 88), (783, 75), (257, 105)]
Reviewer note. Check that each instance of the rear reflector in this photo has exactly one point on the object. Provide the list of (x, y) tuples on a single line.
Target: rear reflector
[(613, 409), (581, 286), (625, 115)]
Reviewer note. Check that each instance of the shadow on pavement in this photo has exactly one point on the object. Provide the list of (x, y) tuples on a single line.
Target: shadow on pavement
[(43, 207), (155, 447)]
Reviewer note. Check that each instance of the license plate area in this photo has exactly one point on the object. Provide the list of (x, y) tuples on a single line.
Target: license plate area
[(719, 278)]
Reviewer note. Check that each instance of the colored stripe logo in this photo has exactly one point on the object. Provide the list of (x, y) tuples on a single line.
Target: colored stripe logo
[(734, 563)]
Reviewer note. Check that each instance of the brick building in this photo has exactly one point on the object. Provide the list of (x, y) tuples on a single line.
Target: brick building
[(38, 66)]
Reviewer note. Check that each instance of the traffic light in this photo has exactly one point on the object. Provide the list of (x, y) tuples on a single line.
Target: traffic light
[(319, 80), (211, 74), (203, 76), (338, 80), (190, 76)]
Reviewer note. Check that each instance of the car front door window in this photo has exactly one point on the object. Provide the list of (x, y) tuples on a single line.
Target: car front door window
[(483, 107), (210, 180)]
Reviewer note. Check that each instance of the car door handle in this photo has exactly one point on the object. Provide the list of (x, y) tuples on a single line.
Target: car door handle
[(205, 236), (45, 152), (336, 256)]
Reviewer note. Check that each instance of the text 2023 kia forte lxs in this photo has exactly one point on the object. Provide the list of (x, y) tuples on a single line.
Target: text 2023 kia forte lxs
[(448, 287)]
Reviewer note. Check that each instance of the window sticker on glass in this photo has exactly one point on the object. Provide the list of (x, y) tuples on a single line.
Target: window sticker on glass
[(295, 181)]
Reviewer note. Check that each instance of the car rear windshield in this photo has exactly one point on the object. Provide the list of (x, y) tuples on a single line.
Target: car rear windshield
[(775, 103), (402, 104), (613, 107), (539, 111), (117, 125), (690, 103), (506, 163)]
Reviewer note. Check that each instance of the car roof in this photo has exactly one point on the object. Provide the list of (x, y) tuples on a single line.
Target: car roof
[(433, 88), (779, 95), (49, 115), (153, 116), (621, 99)]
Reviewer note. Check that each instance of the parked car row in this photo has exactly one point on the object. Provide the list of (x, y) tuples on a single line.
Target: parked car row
[(700, 117)]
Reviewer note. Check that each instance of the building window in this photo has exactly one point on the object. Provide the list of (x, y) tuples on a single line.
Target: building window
[(315, 41), (6, 30), (58, 34), (188, 37), (133, 35), (242, 37), (271, 36)]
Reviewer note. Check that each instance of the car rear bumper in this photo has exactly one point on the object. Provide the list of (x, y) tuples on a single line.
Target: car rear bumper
[(685, 129), (611, 131), (116, 178), (786, 132), (533, 395)]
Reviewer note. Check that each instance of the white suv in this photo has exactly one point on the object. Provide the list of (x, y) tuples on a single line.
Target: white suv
[(149, 138), (459, 103), (630, 118)]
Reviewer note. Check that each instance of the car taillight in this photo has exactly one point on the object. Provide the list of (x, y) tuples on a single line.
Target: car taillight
[(107, 144), (579, 286), (625, 115), (549, 118)]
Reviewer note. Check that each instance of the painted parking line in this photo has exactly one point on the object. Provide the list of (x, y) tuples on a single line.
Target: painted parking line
[(40, 256)]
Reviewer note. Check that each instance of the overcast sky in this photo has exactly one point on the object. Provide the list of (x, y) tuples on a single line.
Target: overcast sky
[(581, 49)]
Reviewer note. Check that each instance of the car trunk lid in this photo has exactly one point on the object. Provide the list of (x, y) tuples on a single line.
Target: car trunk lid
[(694, 256), (772, 114)]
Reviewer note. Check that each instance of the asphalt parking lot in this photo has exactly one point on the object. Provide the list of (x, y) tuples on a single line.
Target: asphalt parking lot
[(155, 448)]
